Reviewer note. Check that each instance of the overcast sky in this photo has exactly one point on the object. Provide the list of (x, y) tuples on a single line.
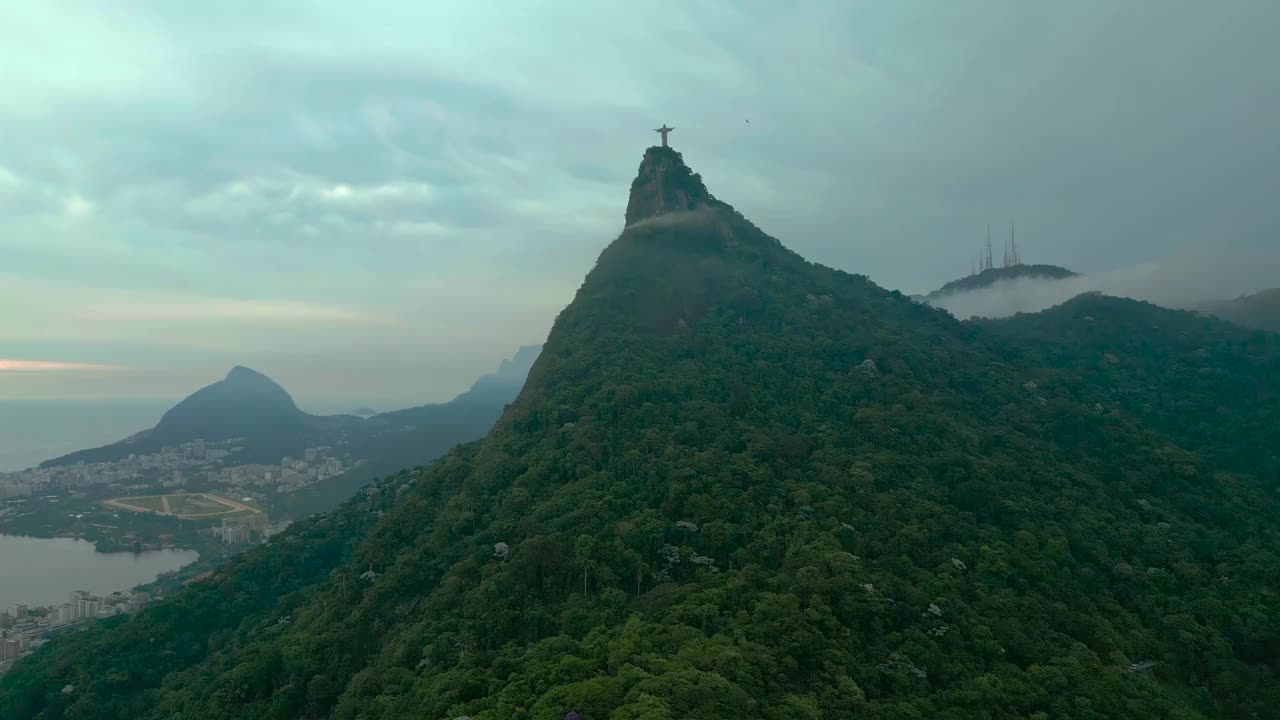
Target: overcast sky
[(378, 201)]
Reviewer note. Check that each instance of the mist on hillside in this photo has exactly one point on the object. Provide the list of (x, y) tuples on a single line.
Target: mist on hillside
[(1181, 282)]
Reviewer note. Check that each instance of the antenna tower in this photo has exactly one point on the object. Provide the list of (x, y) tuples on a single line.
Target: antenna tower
[(987, 261)]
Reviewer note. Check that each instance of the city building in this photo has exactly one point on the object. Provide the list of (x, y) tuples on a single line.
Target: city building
[(258, 522), (12, 647), (79, 599)]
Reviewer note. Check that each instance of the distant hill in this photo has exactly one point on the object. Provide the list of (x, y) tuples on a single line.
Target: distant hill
[(415, 436), (245, 404), (991, 276), (1259, 311), (249, 405), (502, 385)]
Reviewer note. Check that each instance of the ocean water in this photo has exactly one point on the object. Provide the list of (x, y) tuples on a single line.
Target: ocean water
[(32, 431)]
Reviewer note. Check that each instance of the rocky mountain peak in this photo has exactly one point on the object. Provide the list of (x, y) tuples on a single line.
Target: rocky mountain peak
[(240, 373), (663, 185)]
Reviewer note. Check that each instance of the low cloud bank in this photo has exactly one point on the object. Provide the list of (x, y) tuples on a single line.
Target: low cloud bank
[(10, 365), (1181, 282)]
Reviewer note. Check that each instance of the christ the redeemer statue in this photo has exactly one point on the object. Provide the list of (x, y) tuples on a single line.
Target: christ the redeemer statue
[(663, 132)]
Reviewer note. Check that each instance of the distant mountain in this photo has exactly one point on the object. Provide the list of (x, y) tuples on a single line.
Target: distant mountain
[(245, 404), (251, 406), (738, 484), (364, 412), (992, 276), (501, 385), (415, 436), (1259, 311)]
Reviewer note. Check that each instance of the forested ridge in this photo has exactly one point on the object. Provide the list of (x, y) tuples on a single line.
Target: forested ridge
[(738, 484), (1204, 383)]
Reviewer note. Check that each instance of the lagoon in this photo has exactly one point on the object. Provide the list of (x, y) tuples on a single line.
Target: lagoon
[(44, 571)]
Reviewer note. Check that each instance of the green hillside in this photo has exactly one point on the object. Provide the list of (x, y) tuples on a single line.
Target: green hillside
[(740, 485), (1205, 384)]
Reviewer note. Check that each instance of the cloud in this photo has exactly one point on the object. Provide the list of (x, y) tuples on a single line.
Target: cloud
[(10, 365), (23, 196), (195, 310), (77, 207), (58, 51), (196, 183), (167, 321), (1185, 282)]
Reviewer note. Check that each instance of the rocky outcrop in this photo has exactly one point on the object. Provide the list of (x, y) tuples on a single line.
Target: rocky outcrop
[(664, 185)]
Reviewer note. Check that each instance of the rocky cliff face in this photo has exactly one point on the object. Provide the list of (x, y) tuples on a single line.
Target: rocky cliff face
[(665, 184)]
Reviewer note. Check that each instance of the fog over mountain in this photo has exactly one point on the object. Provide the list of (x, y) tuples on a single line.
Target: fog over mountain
[(1260, 310), (1183, 282)]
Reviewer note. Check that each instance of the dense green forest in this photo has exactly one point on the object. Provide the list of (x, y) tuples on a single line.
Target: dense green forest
[(1206, 384), (738, 484)]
